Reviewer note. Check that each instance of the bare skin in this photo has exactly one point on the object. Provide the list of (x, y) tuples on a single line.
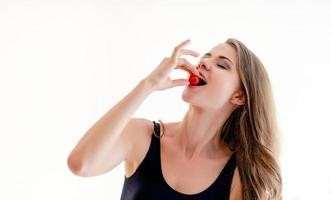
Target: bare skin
[(192, 155), (188, 176)]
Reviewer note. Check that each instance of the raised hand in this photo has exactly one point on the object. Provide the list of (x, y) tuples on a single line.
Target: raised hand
[(159, 77)]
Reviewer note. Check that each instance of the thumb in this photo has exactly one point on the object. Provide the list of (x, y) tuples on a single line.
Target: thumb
[(180, 82)]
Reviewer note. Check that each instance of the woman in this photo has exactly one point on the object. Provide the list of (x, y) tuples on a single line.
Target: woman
[(224, 148)]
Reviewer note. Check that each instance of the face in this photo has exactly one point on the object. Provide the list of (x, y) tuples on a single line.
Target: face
[(219, 67)]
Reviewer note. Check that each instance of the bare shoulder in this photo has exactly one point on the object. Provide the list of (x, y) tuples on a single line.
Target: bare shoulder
[(141, 137), (236, 188)]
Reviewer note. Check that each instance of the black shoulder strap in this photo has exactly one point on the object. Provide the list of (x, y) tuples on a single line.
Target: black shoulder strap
[(156, 129), (228, 172)]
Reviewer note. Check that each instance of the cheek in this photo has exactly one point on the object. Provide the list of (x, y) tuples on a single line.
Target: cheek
[(223, 89)]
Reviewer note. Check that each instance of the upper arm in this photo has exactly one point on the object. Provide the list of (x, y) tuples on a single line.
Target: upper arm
[(236, 188), (133, 134), (119, 150)]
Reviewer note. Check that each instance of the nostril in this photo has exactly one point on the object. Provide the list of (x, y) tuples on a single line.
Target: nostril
[(202, 65)]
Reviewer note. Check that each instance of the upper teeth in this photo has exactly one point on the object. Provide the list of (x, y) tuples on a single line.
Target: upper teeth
[(203, 78)]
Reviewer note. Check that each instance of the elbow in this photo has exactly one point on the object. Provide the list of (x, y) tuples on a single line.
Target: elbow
[(75, 165)]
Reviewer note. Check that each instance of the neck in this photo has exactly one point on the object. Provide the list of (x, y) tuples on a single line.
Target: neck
[(199, 132)]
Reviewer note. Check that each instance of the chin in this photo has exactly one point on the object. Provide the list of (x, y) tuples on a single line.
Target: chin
[(191, 98), (186, 96)]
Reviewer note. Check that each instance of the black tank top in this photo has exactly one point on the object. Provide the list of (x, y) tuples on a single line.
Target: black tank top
[(147, 182)]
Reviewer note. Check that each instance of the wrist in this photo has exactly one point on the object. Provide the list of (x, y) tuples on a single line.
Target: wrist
[(148, 85)]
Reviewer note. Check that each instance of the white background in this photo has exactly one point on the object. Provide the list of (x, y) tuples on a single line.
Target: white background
[(63, 64)]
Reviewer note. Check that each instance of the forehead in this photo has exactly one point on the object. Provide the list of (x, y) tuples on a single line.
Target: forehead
[(226, 50)]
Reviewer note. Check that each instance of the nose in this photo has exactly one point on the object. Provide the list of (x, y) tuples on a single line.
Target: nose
[(202, 64)]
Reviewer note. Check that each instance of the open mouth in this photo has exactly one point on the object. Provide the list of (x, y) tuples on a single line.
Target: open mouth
[(203, 78), (196, 80), (201, 82)]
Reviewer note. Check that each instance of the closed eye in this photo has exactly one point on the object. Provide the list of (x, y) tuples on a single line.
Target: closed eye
[(221, 66)]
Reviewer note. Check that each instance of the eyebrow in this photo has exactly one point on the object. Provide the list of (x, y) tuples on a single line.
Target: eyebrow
[(220, 57)]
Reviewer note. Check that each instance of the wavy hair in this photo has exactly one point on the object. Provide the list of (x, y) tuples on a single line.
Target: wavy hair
[(251, 130)]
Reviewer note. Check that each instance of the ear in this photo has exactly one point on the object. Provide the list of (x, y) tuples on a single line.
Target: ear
[(238, 98)]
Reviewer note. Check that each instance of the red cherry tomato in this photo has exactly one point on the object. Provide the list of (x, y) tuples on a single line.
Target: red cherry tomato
[(194, 80)]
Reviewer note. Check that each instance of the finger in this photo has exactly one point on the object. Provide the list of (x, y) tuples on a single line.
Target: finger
[(187, 66), (179, 82), (179, 47), (189, 70), (188, 52)]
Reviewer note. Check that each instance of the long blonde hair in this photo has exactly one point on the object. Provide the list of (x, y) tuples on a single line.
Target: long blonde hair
[(251, 130)]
